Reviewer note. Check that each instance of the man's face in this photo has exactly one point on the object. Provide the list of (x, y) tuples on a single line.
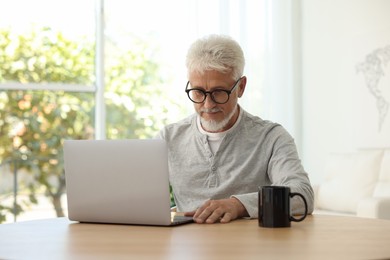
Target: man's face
[(217, 117)]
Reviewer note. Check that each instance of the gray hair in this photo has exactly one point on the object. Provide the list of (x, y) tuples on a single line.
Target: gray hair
[(216, 52)]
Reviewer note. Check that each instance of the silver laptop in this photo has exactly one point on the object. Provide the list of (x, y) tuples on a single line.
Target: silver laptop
[(119, 181)]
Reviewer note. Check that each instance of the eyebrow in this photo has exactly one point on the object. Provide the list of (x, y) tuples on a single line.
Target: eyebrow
[(211, 89)]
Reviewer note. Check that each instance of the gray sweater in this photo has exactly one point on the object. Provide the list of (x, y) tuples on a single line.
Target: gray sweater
[(253, 154)]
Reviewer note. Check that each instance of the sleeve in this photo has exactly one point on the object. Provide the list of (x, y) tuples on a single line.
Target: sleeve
[(250, 202), (285, 169)]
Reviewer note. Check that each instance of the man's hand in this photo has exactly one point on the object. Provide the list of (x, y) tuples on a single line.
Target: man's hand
[(224, 210)]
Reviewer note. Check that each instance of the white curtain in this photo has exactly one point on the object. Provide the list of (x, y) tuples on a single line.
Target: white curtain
[(282, 91)]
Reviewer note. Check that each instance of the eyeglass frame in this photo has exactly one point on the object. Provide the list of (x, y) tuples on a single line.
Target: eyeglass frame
[(228, 92)]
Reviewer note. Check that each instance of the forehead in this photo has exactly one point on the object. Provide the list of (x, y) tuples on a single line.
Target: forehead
[(210, 78)]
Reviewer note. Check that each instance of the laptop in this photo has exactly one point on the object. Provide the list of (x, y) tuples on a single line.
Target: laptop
[(119, 181)]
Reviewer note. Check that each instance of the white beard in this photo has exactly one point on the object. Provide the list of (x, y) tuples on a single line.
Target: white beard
[(214, 126)]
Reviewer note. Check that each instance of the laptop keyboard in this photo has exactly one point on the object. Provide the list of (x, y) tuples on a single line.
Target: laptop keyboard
[(181, 219)]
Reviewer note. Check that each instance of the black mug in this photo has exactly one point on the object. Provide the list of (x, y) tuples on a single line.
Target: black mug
[(274, 206)]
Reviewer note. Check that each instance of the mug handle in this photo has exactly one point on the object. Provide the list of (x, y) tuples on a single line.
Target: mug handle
[(304, 200)]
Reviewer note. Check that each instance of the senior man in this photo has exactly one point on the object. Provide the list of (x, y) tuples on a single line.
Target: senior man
[(221, 155)]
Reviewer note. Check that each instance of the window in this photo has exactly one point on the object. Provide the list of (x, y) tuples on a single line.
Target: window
[(55, 65)]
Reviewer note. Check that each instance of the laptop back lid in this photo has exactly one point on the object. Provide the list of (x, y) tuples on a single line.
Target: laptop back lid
[(117, 181)]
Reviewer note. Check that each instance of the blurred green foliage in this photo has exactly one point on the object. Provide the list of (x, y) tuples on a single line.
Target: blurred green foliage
[(34, 123)]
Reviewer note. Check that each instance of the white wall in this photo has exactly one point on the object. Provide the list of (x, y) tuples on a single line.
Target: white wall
[(339, 112)]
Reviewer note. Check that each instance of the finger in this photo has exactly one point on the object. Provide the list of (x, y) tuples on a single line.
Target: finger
[(215, 216), (204, 212), (189, 213), (197, 212), (226, 218), (201, 209), (201, 215)]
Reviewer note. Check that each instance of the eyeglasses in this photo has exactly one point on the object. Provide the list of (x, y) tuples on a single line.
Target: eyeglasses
[(219, 96)]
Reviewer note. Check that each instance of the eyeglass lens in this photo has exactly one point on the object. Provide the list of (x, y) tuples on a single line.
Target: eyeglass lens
[(218, 96)]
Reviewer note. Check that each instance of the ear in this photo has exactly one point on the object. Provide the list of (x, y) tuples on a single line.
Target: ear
[(241, 87)]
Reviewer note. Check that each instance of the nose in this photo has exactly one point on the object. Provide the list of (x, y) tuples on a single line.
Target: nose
[(208, 102)]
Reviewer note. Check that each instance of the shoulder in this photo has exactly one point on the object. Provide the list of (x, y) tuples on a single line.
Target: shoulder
[(250, 120), (254, 124)]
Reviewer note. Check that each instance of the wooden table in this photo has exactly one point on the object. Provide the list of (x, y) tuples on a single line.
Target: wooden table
[(317, 237)]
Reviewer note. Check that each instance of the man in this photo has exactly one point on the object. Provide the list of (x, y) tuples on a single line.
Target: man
[(221, 155)]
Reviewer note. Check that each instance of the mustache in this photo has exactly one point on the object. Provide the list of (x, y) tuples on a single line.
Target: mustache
[(210, 110)]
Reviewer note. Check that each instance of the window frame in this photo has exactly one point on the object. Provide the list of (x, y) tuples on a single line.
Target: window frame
[(97, 88)]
